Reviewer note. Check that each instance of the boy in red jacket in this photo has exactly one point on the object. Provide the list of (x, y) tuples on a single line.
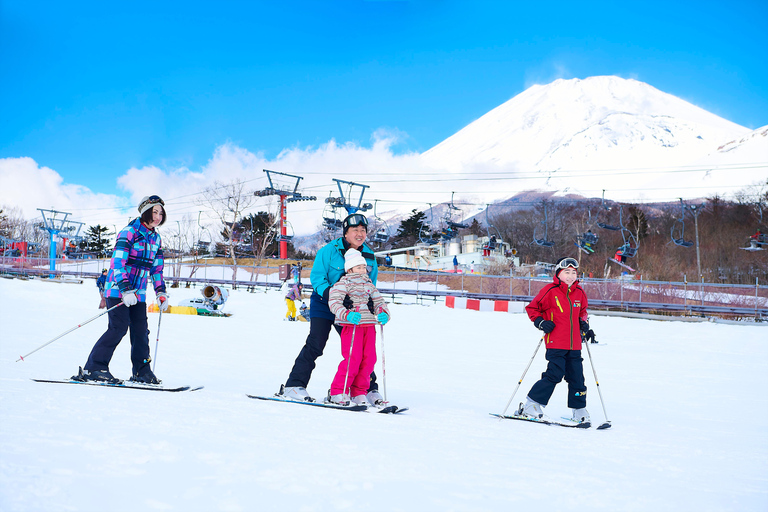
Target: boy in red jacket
[(560, 310)]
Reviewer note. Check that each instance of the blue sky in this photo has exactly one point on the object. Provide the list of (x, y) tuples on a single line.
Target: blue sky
[(92, 89)]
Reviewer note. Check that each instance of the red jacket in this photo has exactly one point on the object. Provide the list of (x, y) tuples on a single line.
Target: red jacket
[(564, 306)]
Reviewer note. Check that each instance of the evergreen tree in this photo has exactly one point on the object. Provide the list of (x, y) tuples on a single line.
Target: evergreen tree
[(97, 240), (256, 230), (411, 229)]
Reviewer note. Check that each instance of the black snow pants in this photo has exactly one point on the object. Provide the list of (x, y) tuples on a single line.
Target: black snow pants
[(120, 320), (562, 363), (319, 329)]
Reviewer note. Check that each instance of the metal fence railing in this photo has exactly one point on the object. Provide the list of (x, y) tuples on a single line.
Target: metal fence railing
[(626, 294)]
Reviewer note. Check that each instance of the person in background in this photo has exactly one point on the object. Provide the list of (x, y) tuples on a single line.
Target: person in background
[(560, 311), (455, 264), (137, 258), (294, 294), (100, 283), (327, 269)]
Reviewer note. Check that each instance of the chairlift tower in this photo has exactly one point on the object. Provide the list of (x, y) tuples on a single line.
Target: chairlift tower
[(345, 200), (56, 222), (696, 211), (286, 196)]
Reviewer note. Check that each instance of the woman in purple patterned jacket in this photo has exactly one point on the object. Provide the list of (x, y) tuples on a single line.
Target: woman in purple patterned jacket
[(137, 258)]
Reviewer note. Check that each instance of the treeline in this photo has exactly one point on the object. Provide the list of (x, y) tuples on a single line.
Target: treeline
[(724, 229)]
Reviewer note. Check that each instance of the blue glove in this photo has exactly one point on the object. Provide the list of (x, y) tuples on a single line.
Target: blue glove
[(354, 317), (383, 318)]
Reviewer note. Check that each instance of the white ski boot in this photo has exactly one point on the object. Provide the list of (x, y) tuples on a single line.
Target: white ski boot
[(360, 400), (375, 398), (296, 393), (532, 409), (580, 415), (340, 399)]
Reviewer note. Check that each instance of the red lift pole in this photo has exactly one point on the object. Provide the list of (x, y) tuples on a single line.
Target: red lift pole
[(283, 234), (287, 195)]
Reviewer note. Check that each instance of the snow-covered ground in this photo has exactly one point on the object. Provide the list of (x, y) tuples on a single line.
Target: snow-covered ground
[(688, 404)]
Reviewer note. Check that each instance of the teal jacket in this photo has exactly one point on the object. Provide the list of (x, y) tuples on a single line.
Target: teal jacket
[(328, 269)]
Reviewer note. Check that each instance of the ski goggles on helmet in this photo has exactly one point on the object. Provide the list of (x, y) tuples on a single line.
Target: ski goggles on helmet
[(356, 219), (567, 262)]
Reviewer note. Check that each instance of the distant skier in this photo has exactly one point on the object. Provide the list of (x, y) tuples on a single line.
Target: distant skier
[(137, 257), (358, 319), (560, 311), (101, 282), (294, 294), (455, 264)]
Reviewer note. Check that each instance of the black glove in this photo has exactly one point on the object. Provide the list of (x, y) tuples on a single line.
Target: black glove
[(348, 302), (370, 305), (589, 334), (545, 325), (327, 294)]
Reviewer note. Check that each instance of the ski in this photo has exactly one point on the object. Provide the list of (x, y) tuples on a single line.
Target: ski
[(315, 404), (541, 421), (122, 384), (605, 425), (389, 409), (622, 264)]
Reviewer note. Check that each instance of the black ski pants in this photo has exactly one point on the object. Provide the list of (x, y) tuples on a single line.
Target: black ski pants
[(319, 330), (562, 363), (120, 320)]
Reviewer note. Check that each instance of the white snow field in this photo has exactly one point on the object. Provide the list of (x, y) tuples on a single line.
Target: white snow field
[(687, 401)]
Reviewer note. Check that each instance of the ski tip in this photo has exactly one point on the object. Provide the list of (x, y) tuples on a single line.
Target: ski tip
[(604, 426)]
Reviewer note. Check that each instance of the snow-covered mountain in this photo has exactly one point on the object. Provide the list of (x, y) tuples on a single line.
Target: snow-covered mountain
[(608, 133)]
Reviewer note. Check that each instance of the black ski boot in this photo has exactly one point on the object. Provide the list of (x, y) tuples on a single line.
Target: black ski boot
[(95, 376), (146, 377)]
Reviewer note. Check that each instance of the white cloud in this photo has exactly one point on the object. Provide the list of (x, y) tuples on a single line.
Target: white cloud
[(393, 180), (29, 186)]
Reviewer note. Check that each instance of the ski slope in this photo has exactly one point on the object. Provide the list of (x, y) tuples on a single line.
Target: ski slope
[(687, 401)]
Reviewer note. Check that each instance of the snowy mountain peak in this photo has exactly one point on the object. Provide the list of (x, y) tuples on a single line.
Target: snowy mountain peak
[(599, 122)]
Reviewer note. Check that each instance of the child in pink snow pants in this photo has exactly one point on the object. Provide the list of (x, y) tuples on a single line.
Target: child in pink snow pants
[(367, 309)]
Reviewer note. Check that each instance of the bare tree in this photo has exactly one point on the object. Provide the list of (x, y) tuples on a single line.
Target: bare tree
[(228, 201)]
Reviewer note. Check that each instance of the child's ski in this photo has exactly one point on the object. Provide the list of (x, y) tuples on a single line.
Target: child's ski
[(542, 421), (353, 407)]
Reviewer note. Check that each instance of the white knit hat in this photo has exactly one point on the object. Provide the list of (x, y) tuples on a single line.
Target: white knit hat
[(149, 202), (353, 258)]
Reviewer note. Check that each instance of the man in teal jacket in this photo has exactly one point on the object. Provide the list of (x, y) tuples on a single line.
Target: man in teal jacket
[(326, 271)]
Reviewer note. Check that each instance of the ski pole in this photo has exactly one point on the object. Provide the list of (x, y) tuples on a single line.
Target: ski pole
[(154, 359), (21, 358), (522, 377), (607, 423), (349, 356), (383, 364)]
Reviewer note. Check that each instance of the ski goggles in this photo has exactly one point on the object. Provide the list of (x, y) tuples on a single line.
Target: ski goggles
[(567, 262), (356, 219), (150, 201)]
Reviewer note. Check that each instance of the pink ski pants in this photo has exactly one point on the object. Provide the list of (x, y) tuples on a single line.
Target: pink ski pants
[(360, 362)]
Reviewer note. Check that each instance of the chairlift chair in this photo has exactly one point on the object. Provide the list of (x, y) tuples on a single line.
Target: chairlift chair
[(381, 236), (606, 208), (542, 241), (493, 239), (425, 236), (679, 227)]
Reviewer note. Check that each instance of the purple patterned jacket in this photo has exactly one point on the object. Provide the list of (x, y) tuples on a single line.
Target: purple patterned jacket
[(138, 256)]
